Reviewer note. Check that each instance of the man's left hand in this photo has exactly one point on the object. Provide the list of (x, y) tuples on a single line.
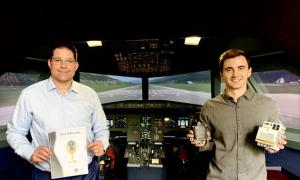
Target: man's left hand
[(281, 142), (96, 147)]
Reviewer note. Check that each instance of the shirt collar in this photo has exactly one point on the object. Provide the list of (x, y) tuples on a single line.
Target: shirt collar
[(51, 86), (75, 87), (248, 95), (226, 97)]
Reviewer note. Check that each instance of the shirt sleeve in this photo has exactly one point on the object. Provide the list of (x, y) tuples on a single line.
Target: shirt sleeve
[(18, 127), (204, 119), (100, 128)]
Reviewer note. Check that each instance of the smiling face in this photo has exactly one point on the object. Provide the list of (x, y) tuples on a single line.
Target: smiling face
[(62, 65), (235, 73)]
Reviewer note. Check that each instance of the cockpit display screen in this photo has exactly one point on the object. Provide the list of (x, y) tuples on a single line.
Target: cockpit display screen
[(145, 121)]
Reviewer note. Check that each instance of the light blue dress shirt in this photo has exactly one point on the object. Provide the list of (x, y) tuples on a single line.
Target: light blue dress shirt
[(42, 109)]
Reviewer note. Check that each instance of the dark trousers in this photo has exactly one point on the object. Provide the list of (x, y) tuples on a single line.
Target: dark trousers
[(93, 174)]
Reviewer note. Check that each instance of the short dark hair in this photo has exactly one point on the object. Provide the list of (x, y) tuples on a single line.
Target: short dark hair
[(66, 45), (232, 53)]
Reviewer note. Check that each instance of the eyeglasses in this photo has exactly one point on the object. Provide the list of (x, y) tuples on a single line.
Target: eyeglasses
[(68, 61)]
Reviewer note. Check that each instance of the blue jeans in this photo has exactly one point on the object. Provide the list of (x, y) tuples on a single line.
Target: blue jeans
[(93, 174)]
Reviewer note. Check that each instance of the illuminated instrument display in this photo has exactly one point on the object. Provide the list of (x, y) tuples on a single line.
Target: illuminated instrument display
[(145, 121), (183, 122), (169, 122), (121, 122), (110, 121)]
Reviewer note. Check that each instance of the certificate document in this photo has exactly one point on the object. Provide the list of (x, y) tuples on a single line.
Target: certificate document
[(69, 153)]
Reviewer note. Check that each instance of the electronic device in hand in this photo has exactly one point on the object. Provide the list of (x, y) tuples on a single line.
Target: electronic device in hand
[(268, 135), (200, 132)]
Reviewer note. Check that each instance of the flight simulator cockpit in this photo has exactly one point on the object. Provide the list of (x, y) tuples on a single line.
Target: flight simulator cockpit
[(150, 134)]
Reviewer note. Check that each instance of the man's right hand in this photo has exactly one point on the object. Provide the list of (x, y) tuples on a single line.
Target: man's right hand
[(197, 143), (40, 154)]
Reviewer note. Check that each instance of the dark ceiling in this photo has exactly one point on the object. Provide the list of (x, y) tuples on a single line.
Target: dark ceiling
[(268, 30)]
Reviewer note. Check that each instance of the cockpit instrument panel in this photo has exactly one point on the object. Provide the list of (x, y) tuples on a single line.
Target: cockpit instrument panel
[(110, 121), (170, 122), (120, 122), (145, 122), (183, 122), (154, 119)]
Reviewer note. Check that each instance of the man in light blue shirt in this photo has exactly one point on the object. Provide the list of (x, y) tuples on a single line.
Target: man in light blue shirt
[(53, 104)]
